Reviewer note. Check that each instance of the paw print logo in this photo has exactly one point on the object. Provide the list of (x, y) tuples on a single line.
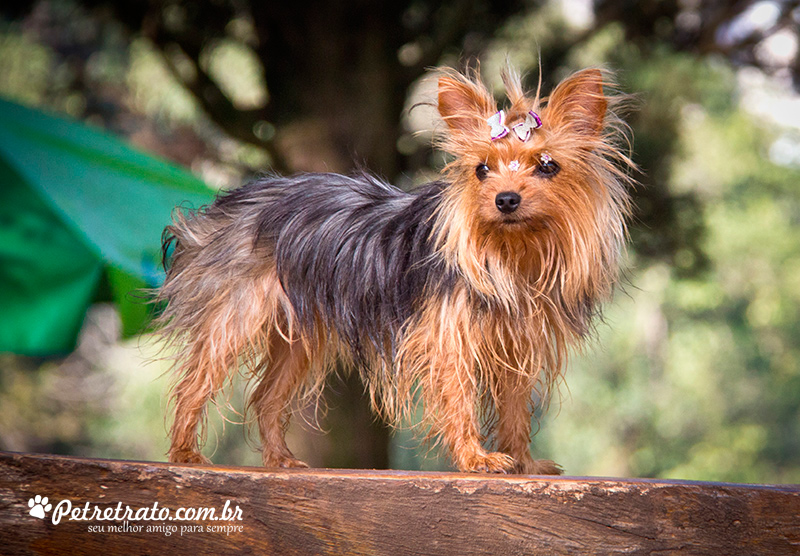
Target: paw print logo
[(39, 506)]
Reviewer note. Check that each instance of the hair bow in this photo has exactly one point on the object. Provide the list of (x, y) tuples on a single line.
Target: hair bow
[(523, 129), (498, 129), (497, 126)]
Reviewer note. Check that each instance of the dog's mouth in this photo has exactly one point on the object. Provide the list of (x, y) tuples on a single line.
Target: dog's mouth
[(511, 222), (523, 223)]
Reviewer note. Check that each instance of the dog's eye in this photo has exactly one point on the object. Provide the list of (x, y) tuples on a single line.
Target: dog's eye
[(547, 167), (481, 171)]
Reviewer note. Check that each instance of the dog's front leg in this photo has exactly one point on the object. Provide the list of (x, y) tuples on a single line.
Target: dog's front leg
[(514, 414), (454, 412)]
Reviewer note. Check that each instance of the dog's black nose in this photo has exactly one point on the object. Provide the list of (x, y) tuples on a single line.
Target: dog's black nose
[(507, 201)]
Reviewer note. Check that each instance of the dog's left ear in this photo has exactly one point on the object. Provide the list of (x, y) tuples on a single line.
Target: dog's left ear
[(464, 105), (578, 104)]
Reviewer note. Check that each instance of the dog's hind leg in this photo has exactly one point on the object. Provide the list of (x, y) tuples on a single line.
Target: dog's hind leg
[(282, 377), (215, 333), (209, 360)]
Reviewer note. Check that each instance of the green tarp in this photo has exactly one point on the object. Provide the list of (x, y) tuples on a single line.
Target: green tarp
[(80, 211)]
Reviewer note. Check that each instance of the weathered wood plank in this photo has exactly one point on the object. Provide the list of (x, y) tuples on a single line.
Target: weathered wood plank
[(383, 512)]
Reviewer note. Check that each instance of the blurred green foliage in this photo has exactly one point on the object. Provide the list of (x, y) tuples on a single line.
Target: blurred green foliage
[(694, 372)]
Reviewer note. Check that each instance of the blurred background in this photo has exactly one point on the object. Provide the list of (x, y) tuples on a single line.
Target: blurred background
[(695, 371)]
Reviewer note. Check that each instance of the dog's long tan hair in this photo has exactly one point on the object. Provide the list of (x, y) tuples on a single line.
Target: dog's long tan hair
[(529, 292)]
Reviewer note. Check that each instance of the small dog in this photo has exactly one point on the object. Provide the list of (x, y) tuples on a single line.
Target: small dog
[(466, 294)]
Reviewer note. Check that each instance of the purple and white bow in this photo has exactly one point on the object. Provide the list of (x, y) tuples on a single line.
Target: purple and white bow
[(497, 126), (523, 130)]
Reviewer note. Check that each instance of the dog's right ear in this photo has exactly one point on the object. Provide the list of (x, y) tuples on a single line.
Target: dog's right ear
[(579, 104), (464, 105)]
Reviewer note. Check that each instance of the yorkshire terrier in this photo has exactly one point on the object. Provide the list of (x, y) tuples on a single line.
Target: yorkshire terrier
[(465, 295)]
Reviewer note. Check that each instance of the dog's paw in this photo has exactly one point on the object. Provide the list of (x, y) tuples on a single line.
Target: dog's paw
[(293, 463), (188, 456), (492, 462), (283, 462), (541, 467)]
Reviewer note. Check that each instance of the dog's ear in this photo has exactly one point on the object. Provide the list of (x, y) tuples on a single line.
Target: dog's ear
[(579, 104), (464, 105)]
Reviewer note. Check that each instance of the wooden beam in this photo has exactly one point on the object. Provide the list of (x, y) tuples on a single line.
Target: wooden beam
[(349, 512)]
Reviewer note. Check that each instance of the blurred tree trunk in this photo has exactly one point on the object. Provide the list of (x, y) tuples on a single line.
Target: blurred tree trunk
[(340, 84)]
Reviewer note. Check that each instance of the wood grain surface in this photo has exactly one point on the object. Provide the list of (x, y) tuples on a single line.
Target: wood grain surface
[(351, 512)]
